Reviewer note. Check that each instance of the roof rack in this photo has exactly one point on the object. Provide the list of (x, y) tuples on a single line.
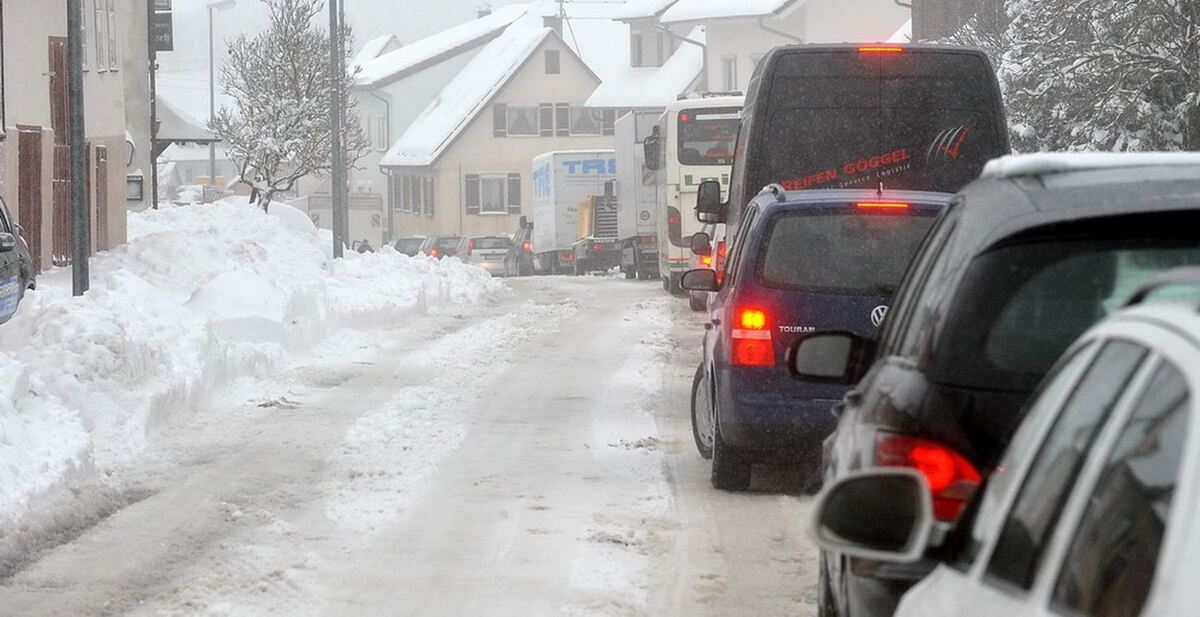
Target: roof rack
[(708, 94), (1170, 278)]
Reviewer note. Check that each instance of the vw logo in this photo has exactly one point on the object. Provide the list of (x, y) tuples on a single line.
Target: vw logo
[(878, 314)]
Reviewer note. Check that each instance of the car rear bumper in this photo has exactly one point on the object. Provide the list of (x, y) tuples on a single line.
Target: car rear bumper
[(495, 268), (774, 426)]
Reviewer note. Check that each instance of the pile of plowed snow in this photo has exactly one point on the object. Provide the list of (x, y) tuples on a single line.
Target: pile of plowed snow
[(199, 296)]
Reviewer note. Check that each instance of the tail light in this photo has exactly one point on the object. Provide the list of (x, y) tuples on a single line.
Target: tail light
[(721, 252), (881, 49), (433, 252), (470, 247), (952, 478), (528, 246), (751, 339), (597, 247), (883, 205)]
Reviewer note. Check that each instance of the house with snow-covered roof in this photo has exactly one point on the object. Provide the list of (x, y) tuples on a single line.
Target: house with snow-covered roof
[(463, 166)]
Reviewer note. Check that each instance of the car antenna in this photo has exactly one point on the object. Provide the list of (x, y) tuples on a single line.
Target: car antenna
[(880, 193)]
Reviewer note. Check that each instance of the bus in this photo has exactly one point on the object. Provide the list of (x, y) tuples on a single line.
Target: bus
[(693, 142)]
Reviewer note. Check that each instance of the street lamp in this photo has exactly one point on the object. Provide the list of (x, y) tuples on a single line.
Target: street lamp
[(218, 5)]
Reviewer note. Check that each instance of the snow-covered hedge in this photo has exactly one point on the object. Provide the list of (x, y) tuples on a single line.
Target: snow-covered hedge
[(200, 295)]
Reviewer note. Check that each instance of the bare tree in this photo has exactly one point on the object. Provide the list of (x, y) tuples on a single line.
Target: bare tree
[(277, 130)]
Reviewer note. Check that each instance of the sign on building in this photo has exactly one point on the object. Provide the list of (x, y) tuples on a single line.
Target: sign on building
[(162, 31)]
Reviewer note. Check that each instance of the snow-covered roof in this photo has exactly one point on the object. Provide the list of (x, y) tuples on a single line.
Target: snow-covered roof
[(642, 9), (395, 64), (1055, 162), (374, 48), (653, 86), (178, 125), (466, 95), (903, 35), (699, 10)]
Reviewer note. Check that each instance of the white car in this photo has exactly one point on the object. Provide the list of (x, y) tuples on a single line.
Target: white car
[(1092, 509)]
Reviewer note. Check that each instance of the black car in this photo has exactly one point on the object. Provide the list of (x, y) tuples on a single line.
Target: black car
[(1020, 265), (519, 259)]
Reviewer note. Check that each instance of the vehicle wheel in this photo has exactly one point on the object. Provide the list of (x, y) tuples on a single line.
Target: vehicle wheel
[(630, 274), (673, 284), (578, 271), (666, 283), (730, 472), (826, 607), (703, 446), (697, 301)]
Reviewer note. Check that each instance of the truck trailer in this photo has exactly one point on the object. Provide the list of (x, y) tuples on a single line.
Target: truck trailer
[(561, 181), (637, 196)]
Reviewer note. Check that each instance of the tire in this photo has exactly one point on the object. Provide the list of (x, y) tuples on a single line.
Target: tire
[(730, 471), (705, 449), (697, 301), (673, 284), (666, 283), (578, 270), (630, 274)]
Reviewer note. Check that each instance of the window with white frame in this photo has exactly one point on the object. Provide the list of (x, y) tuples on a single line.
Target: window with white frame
[(493, 193), (587, 121), (114, 59), (522, 121), (729, 73), (100, 20), (382, 133)]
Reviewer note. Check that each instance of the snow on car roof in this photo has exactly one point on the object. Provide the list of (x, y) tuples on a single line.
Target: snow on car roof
[(637, 9), (652, 86), (394, 63), (697, 10), (466, 95), (1057, 162)]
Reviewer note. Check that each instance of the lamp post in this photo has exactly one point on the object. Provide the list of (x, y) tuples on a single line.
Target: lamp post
[(219, 5), (80, 232), (337, 69)]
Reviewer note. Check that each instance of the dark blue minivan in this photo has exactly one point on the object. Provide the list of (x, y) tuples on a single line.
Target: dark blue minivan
[(802, 261)]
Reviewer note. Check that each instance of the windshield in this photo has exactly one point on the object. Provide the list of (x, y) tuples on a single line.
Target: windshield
[(409, 244), (486, 244), (707, 136), (446, 243), (844, 251)]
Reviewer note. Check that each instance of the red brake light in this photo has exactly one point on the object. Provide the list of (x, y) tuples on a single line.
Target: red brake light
[(433, 252), (470, 246), (674, 220), (528, 246), (684, 117), (597, 247), (751, 343), (883, 205), (952, 478), (881, 49)]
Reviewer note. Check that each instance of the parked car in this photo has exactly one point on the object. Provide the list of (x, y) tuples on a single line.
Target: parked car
[(710, 254), (409, 245), (487, 252), (1091, 510), (519, 259), (1021, 264), (440, 246), (17, 272), (802, 261)]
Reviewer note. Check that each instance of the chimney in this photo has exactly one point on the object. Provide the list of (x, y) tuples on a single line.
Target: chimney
[(553, 21), (483, 10)]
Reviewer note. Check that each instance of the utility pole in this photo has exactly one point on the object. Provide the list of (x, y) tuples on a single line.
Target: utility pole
[(79, 198), (338, 171), (153, 59)]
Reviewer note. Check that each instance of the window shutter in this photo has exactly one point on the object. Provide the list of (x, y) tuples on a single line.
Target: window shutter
[(514, 193), (472, 194), (562, 117), (428, 196), (546, 120), (500, 120), (609, 122)]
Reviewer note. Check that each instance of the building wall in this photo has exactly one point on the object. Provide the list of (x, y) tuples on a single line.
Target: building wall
[(743, 41), (28, 27), (135, 69), (478, 151)]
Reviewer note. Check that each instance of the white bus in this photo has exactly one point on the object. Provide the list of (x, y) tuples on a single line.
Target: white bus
[(696, 138)]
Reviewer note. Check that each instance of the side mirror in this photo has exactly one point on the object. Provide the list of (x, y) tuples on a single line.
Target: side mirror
[(8, 243), (883, 514), (701, 244), (700, 280), (709, 207), (831, 357), (651, 148), (525, 222)]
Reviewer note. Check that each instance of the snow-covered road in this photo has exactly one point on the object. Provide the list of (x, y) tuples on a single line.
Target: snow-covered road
[(529, 455)]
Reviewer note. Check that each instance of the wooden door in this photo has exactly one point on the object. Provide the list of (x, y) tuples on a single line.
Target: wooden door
[(29, 189), (60, 122)]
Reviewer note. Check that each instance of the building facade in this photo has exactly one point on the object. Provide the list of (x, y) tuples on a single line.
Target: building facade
[(36, 175)]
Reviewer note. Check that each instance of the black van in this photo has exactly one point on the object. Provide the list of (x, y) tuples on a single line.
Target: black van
[(889, 117)]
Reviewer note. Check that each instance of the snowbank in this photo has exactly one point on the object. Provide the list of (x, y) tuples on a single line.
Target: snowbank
[(200, 295)]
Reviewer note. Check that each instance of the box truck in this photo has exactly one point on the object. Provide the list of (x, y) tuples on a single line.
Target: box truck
[(637, 196), (561, 181)]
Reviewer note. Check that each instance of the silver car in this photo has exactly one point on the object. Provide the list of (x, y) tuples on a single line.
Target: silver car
[(487, 252)]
